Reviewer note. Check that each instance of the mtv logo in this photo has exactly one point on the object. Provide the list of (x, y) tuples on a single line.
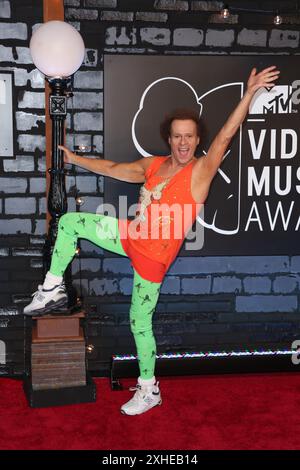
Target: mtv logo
[(276, 100)]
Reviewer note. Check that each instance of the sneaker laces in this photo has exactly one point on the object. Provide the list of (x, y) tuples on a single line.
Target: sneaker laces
[(40, 287), (140, 391)]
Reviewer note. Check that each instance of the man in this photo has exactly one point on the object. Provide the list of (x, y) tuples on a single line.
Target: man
[(151, 240)]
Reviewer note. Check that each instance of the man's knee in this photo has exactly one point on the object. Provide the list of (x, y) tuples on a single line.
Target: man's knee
[(65, 219)]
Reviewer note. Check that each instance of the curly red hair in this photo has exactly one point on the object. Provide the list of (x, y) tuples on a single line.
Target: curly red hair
[(181, 114)]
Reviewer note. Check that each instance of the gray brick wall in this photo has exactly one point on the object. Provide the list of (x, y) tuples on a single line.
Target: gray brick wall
[(252, 38), (176, 5), (188, 37), (256, 286), (5, 11)]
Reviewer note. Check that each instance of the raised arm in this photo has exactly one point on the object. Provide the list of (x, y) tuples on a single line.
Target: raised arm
[(132, 172), (208, 165)]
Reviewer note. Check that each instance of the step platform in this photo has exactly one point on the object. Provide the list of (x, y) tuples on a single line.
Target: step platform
[(58, 361)]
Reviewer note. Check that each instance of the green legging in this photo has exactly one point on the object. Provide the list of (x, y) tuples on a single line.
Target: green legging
[(103, 231)]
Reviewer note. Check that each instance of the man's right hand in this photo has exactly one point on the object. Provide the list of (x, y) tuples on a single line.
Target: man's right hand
[(67, 154)]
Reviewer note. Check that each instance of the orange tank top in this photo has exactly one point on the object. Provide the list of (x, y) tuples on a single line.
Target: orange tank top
[(166, 212)]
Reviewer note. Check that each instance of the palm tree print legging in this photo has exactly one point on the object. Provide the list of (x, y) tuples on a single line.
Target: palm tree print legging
[(103, 231)]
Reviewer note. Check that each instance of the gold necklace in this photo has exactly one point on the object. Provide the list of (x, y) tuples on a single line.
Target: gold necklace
[(147, 196)]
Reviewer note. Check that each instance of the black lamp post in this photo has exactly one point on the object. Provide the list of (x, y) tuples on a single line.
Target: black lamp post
[(57, 198)]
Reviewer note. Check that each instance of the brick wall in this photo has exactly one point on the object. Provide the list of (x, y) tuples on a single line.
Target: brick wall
[(264, 290)]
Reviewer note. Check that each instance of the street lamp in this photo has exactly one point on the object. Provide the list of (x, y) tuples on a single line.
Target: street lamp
[(57, 50)]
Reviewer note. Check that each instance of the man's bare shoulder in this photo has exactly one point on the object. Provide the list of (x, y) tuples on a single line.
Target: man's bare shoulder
[(146, 162)]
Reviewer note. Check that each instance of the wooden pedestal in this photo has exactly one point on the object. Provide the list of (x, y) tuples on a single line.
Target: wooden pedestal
[(58, 326), (58, 361)]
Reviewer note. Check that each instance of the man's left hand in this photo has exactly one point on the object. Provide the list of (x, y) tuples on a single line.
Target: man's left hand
[(265, 78)]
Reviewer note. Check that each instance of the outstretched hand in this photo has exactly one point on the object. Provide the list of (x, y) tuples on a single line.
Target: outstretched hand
[(67, 154), (265, 78)]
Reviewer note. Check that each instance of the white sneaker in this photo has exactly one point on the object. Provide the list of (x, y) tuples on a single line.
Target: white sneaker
[(45, 299), (145, 398)]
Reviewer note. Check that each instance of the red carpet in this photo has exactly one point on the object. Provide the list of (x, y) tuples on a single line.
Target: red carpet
[(212, 412)]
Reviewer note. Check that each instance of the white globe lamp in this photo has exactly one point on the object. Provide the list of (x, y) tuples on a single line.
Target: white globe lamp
[(57, 49)]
